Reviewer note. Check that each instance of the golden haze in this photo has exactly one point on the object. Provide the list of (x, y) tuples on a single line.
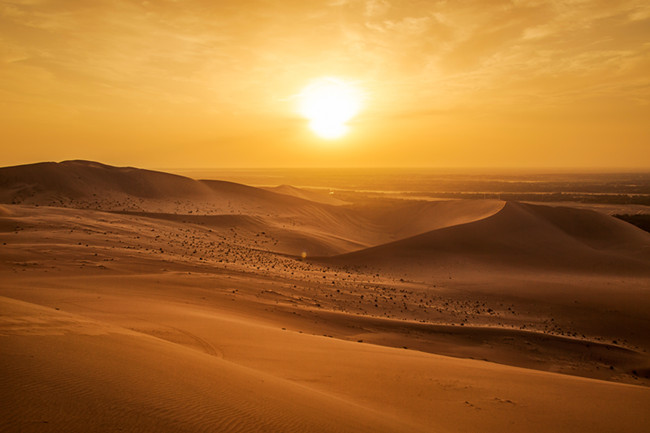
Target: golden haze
[(201, 83)]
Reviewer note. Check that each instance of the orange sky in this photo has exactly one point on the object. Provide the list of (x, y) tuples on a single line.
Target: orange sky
[(169, 83)]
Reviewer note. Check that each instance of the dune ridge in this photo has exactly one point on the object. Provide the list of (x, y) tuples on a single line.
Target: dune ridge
[(522, 236)]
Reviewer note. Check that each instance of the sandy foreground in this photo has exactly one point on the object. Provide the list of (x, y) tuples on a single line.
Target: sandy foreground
[(156, 320)]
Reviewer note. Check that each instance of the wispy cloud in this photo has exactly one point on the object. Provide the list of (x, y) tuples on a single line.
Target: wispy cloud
[(247, 57)]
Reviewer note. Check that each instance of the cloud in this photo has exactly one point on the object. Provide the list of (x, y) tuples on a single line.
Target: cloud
[(423, 56), (374, 8)]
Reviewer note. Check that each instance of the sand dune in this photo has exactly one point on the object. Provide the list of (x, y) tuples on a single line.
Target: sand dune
[(87, 184), (522, 237), (137, 301), (402, 220), (145, 360), (56, 241), (79, 179), (296, 224), (64, 372)]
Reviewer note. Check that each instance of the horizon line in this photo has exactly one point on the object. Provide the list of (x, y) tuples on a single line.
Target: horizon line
[(473, 168)]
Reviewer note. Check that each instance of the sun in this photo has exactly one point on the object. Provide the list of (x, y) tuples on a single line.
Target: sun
[(329, 104)]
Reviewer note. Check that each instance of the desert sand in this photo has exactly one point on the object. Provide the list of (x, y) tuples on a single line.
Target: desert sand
[(134, 300)]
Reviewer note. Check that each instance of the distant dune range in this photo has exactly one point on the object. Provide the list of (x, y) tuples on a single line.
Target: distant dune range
[(479, 231), (297, 224), (137, 300)]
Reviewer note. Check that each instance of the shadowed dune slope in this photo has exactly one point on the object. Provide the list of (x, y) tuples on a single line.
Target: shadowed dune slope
[(78, 179), (50, 183), (522, 236)]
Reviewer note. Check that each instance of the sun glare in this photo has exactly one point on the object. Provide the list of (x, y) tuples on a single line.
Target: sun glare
[(329, 103)]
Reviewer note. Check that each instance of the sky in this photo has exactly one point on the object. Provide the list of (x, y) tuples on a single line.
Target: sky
[(198, 83)]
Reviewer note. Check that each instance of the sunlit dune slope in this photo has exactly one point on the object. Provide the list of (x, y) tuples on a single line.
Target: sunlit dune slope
[(521, 236), (63, 370)]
